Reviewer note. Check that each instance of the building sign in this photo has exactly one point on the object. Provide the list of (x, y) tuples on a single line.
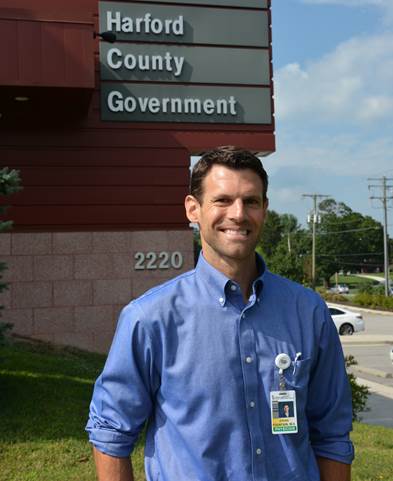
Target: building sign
[(184, 64), (179, 63)]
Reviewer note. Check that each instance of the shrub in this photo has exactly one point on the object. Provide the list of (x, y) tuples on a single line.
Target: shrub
[(332, 297), (360, 392), (374, 300), (9, 184), (5, 327)]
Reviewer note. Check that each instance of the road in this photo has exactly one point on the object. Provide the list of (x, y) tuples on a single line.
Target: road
[(371, 349)]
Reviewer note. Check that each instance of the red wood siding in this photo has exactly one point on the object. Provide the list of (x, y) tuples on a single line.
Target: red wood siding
[(46, 54), (90, 174)]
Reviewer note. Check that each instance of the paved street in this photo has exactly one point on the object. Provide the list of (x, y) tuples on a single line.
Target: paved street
[(371, 349)]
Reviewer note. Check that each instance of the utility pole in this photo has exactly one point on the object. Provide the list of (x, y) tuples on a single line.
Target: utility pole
[(384, 199), (314, 218)]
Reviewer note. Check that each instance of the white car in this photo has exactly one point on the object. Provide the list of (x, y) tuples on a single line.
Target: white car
[(347, 322), (340, 289)]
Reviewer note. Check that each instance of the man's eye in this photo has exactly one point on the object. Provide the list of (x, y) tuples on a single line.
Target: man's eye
[(221, 201), (252, 202)]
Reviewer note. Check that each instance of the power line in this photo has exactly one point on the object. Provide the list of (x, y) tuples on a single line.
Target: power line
[(352, 255), (343, 221), (350, 230), (360, 264)]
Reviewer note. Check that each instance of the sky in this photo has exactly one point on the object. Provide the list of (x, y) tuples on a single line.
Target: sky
[(333, 83)]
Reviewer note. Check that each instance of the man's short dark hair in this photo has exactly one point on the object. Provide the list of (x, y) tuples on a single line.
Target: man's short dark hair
[(228, 156)]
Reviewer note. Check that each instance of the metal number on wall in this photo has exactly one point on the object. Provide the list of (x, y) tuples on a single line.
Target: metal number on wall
[(158, 260)]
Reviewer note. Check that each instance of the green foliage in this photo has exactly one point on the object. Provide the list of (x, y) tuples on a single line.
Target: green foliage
[(284, 246), (346, 240), (5, 327), (360, 393), (287, 264), (368, 299), (331, 296), (9, 184)]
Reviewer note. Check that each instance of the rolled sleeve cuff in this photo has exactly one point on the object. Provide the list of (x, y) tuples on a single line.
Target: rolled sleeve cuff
[(341, 451), (111, 442)]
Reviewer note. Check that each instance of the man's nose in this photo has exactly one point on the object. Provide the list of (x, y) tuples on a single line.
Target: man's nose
[(237, 210)]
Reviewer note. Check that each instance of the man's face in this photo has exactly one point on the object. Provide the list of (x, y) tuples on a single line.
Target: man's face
[(286, 409), (230, 215)]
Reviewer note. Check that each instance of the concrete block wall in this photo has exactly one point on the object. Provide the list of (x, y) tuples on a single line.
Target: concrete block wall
[(68, 288)]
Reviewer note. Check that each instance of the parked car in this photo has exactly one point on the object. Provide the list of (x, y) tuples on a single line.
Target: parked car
[(340, 289), (347, 322)]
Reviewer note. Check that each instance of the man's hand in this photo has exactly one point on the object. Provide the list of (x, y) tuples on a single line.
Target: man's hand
[(110, 468), (333, 470)]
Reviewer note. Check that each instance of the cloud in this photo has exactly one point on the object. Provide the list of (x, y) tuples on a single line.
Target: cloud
[(353, 84), (343, 154)]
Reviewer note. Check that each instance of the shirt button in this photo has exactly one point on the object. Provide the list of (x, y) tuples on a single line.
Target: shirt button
[(252, 404), (248, 359), (233, 287), (259, 451), (221, 300)]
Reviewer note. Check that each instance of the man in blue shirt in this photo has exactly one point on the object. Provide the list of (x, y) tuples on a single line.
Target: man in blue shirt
[(204, 358)]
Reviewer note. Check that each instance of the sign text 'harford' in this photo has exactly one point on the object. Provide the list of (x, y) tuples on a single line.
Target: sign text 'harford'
[(145, 25)]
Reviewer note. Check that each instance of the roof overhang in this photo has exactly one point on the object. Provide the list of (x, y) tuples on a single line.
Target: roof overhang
[(47, 68)]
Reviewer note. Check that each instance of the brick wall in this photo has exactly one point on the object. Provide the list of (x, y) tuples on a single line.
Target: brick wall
[(68, 288)]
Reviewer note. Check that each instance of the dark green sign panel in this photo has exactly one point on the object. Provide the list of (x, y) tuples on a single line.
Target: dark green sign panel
[(183, 103), (184, 64), (181, 24)]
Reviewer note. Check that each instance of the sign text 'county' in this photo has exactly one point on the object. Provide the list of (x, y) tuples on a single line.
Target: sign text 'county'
[(167, 62)]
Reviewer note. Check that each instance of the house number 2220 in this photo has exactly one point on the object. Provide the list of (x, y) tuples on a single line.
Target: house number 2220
[(158, 260)]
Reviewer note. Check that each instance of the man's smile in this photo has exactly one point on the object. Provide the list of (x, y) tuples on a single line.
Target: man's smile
[(230, 232)]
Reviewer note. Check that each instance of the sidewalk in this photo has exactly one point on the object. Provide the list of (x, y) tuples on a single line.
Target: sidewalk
[(379, 403), (371, 365), (354, 307), (360, 338), (377, 388)]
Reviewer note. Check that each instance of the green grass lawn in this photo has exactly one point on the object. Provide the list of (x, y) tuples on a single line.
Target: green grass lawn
[(353, 282), (44, 398)]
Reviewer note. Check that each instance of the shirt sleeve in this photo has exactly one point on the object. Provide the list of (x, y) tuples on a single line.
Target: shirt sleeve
[(123, 393), (329, 409)]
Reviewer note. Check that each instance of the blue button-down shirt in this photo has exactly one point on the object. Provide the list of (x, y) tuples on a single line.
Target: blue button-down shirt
[(197, 361)]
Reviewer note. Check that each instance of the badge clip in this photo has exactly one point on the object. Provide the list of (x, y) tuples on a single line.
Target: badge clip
[(282, 361)]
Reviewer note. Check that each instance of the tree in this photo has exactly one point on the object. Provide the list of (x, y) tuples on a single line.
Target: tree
[(346, 240), (284, 245), (9, 184), (272, 233)]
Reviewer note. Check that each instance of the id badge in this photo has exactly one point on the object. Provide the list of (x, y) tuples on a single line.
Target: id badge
[(283, 412)]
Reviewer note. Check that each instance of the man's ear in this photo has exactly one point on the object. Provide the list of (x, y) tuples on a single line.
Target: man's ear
[(266, 207), (192, 208)]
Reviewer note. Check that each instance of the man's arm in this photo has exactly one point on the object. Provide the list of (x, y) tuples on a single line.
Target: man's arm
[(333, 470), (111, 468)]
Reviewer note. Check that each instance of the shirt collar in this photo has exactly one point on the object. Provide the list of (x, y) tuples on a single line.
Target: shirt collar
[(220, 285)]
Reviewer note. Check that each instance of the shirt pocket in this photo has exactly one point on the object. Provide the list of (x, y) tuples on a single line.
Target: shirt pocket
[(297, 375)]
